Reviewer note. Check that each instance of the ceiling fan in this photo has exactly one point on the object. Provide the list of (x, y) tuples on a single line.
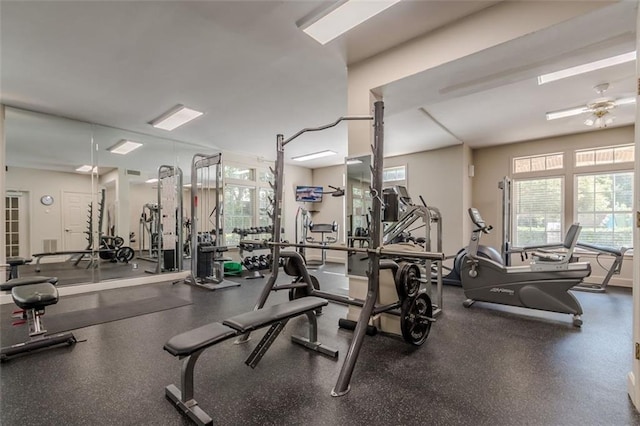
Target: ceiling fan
[(599, 109)]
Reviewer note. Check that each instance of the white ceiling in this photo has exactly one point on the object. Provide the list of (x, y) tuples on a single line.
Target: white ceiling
[(255, 74)]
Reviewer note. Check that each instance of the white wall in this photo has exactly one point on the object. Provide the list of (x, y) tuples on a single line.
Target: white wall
[(45, 222), (3, 248)]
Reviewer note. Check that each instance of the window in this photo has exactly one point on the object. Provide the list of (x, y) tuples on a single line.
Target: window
[(12, 225), (247, 200), (538, 163), (265, 196), (238, 211), (240, 173), (605, 155), (394, 174), (537, 205), (604, 204)]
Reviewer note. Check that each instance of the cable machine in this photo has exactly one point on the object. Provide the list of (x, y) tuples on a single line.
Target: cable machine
[(168, 220), (207, 247)]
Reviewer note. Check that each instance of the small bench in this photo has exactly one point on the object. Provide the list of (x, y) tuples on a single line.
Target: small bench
[(191, 344), (14, 262), (32, 295)]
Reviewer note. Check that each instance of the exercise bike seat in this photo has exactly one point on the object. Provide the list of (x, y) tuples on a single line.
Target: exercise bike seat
[(35, 296)]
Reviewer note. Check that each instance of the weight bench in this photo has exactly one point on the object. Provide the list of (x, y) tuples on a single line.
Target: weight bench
[(32, 295), (14, 262), (190, 345)]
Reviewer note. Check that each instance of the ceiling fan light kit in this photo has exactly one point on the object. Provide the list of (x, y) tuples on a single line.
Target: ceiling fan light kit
[(600, 109)]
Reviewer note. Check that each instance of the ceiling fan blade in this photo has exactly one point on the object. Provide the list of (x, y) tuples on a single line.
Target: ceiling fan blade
[(625, 101), (569, 112)]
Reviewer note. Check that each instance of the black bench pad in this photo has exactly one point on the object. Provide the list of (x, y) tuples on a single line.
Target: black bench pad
[(199, 338), (262, 317), (17, 261), (38, 279), (35, 296)]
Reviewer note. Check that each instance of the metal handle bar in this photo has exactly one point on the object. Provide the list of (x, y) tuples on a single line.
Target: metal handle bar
[(328, 126), (380, 250)]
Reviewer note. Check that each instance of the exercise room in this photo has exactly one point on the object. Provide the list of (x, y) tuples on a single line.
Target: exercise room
[(319, 212)]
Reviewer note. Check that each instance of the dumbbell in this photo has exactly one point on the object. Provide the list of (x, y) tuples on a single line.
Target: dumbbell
[(256, 262), (247, 263), (262, 261)]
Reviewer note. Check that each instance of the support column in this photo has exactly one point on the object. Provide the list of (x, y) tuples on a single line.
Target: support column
[(634, 374), (3, 247), (123, 214)]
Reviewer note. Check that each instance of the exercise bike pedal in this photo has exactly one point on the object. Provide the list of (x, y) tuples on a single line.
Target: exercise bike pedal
[(467, 303)]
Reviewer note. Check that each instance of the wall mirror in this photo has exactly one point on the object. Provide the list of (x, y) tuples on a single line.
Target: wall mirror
[(72, 185), (358, 217)]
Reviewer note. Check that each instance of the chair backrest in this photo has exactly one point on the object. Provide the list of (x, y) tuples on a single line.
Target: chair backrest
[(571, 239)]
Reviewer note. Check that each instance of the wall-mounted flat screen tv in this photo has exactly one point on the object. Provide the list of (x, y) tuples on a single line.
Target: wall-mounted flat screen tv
[(309, 194)]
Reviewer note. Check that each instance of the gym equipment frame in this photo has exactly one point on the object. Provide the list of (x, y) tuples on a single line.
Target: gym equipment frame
[(375, 252), (169, 230), (216, 281), (543, 285)]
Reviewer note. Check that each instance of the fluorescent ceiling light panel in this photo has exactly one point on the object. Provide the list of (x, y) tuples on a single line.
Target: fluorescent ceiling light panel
[(84, 168), (152, 180), (176, 117), (584, 68), (353, 161), (347, 15), (313, 156), (566, 113), (124, 147)]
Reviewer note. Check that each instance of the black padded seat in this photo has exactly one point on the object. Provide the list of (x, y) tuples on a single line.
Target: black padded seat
[(17, 261), (199, 338), (262, 317), (38, 279), (35, 296)]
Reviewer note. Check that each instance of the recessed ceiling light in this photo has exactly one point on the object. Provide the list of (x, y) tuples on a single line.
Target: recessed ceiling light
[(152, 180), (124, 147), (313, 156), (584, 68), (343, 16), (353, 161), (175, 117)]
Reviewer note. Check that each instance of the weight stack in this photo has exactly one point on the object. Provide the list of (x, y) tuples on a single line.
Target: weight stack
[(169, 260), (205, 261)]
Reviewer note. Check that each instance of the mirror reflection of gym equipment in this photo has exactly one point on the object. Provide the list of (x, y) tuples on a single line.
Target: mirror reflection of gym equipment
[(207, 246), (308, 231), (400, 217)]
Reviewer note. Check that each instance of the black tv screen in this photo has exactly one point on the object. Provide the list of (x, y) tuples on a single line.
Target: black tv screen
[(309, 194)]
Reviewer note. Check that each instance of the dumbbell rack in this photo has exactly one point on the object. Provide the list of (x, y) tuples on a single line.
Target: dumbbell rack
[(256, 266)]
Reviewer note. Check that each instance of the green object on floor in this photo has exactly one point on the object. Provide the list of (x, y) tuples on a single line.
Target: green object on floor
[(232, 268)]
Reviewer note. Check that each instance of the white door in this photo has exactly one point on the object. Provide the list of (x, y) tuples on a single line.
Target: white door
[(75, 210)]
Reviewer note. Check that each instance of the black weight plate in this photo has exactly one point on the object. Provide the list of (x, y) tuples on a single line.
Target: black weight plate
[(124, 254), (118, 241), (411, 283), (399, 280), (414, 319)]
